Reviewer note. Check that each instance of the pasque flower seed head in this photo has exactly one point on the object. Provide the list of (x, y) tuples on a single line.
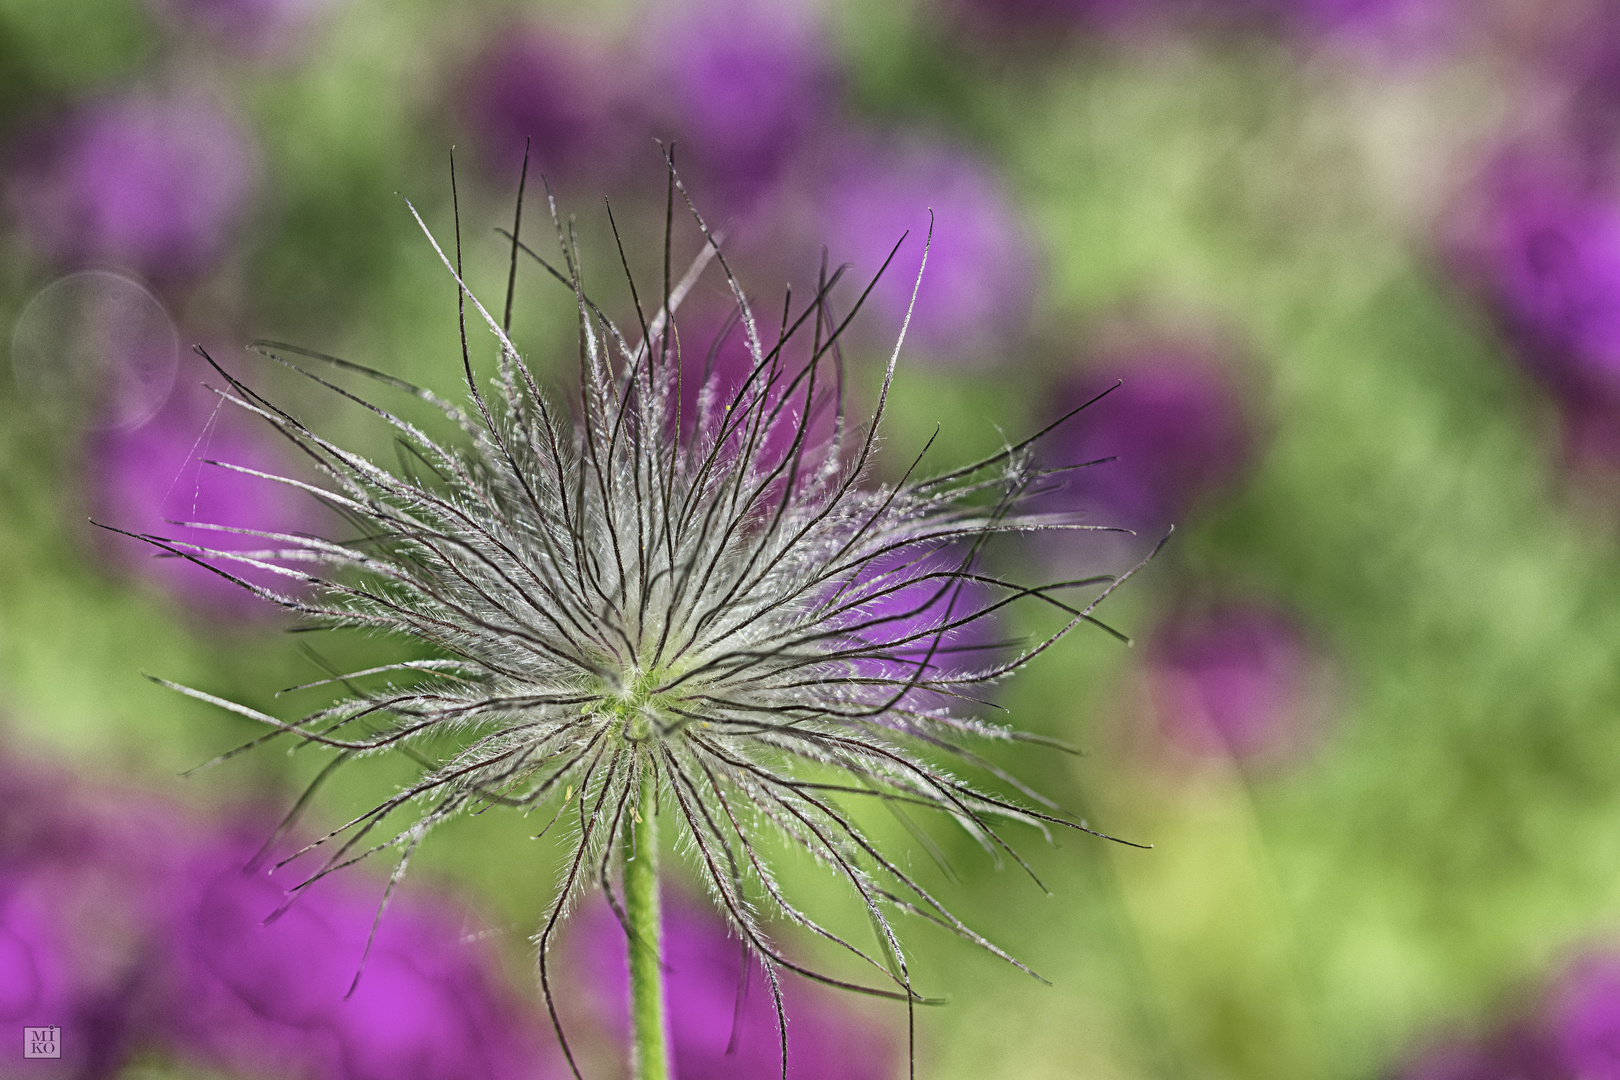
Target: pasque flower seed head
[(622, 596)]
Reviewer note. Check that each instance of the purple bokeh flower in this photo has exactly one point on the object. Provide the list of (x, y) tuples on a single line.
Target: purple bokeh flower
[(1175, 428), (1395, 25), (145, 479), (1541, 244), (1514, 1053), (1582, 1016), (1576, 88), (1574, 1034), (263, 28), (158, 185), (252, 993), (51, 976), (563, 98), (1457, 1059), (722, 1020), (1390, 27), (978, 287), (931, 627), (137, 929), (81, 889), (1057, 13), (718, 376), (1400, 24), (1237, 681), (741, 84), (1355, 14)]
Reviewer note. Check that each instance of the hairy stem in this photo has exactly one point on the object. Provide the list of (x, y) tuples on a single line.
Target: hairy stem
[(649, 1021)]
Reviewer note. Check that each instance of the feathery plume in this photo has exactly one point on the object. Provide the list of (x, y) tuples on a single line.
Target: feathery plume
[(640, 612)]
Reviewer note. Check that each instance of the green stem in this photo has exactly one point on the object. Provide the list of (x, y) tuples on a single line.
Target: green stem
[(649, 1022)]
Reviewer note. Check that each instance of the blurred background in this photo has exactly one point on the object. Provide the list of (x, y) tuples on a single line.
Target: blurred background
[(1355, 263)]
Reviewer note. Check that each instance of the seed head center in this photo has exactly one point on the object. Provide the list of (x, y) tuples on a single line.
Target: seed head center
[(637, 704)]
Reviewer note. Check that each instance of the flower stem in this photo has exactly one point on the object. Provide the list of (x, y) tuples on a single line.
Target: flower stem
[(649, 1021)]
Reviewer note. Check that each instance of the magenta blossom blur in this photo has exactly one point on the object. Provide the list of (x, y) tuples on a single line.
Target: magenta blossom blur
[(1581, 73), (142, 480), (1238, 681), (979, 284), (718, 372), (1574, 1033), (51, 975), (267, 28), (256, 992), (1175, 428), (928, 627), (1394, 22), (1542, 246), (1457, 1059), (79, 895), (137, 929), (1515, 1053), (1582, 1016), (561, 98), (158, 185), (1057, 14), (723, 1024), (741, 84)]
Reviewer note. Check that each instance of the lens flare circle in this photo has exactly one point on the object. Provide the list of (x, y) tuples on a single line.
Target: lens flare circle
[(97, 348)]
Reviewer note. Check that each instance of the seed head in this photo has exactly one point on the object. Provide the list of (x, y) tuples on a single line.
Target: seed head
[(620, 596)]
